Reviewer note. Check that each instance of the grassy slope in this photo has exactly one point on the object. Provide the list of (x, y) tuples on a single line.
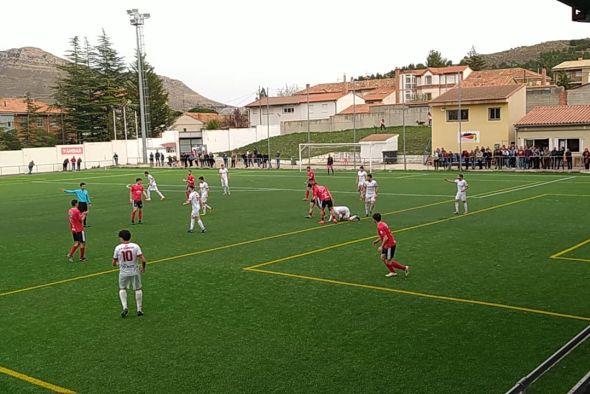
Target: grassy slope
[(288, 145), (210, 326)]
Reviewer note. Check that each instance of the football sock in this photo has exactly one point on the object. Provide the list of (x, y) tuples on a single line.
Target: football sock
[(82, 251), (456, 207), (161, 195), (397, 265), (140, 215), (390, 267), (139, 299), (149, 194), (73, 250), (465, 206), (306, 194), (132, 216), (192, 224), (123, 298), (200, 222)]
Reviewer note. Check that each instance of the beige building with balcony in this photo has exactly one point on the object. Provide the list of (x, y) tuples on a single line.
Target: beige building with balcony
[(578, 71), (464, 118)]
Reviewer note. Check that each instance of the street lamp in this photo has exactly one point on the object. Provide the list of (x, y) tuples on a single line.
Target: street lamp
[(137, 19)]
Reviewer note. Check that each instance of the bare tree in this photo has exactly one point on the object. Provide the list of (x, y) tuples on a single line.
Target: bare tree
[(288, 90)]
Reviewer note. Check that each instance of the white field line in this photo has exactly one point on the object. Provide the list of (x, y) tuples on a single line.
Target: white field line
[(522, 188)]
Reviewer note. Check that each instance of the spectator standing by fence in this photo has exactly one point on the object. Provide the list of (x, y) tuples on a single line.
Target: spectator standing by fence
[(116, 159), (157, 158), (65, 164), (31, 166), (162, 160), (73, 163), (278, 160), (79, 163), (586, 159)]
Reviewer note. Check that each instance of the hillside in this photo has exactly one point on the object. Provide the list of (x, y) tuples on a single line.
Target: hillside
[(523, 54), (35, 71)]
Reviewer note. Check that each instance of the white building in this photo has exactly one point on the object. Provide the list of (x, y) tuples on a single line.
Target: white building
[(373, 146), (274, 110), (428, 83)]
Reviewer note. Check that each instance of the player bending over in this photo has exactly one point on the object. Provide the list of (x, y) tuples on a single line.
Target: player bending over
[(343, 214), (204, 189), (461, 195), (126, 255), (77, 227), (152, 187), (371, 189), (195, 201), (387, 247), (224, 176), (324, 196), (136, 193)]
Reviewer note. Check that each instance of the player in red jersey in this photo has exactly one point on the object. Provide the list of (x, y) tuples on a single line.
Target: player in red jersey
[(136, 193), (77, 227), (190, 182), (387, 247), (324, 199), (310, 182)]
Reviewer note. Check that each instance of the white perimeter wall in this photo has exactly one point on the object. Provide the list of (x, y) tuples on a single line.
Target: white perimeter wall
[(227, 140)]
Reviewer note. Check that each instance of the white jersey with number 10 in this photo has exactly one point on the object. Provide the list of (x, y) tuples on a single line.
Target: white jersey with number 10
[(126, 254)]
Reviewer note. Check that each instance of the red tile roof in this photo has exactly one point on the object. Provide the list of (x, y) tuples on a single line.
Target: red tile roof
[(358, 108), (367, 84), (504, 76), (298, 99), (475, 95), (19, 106), (378, 137), (559, 115), (378, 94), (437, 70)]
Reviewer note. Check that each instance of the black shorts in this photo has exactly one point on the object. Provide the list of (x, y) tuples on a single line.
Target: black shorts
[(79, 237), (138, 204), (309, 185), (327, 203), (82, 206), (388, 253)]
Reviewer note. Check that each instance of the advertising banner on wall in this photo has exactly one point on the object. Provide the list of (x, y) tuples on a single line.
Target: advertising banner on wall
[(469, 137), (72, 150)]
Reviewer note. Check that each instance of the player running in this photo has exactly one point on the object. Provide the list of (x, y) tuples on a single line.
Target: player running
[(126, 255), (136, 193), (77, 227), (324, 197), (152, 187), (204, 189), (310, 182), (224, 176), (195, 201), (343, 214), (371, 189), (461, 195), (387, 247), (83, 199), (361, 177), (190, 181)]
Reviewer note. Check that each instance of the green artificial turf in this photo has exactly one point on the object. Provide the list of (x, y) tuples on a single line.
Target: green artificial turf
[(314, 312)]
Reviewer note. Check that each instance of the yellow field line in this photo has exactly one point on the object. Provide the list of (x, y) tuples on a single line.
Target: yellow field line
[(35, 381), (565, 251), (568, 195), (425, 295), (571, 259), (396, 231)]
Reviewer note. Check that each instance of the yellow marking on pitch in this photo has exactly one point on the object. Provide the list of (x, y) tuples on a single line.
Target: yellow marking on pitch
[(35, 381), (560, 255), (424, 295)]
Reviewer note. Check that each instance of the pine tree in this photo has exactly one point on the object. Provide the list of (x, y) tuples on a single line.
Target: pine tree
[(161, 116), (435, 59), (474, 60)]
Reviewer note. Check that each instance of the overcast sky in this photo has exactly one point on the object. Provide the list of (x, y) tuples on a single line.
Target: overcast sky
[(225, 49)]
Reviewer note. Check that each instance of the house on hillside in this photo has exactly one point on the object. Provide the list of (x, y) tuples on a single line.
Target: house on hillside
[(464, 118), (562, 126), (578, 71), (14, 115), (427, 84), (275, 110)]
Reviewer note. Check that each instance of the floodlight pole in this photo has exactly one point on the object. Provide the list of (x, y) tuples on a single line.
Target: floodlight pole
[(308, 133), (460, 125), (268, 126), (353, 121), (136, 19), (404, 134)]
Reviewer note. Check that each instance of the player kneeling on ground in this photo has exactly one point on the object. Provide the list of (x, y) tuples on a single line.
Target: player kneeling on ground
[(343, 214), (126, 255)]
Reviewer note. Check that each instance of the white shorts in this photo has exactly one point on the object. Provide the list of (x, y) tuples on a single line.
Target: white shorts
[(371, 198), (361, 185), (153, 188), (196, 212), (204, 198), (130, 280), (224, 182), (461, 196)]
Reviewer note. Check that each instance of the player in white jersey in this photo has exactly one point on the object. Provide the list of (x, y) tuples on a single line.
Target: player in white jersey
[(224, 176), (204, 190), (371, 189), (126, 255), (152, 187), (461, 195), (361, 176), (195, 200), (343, 214)]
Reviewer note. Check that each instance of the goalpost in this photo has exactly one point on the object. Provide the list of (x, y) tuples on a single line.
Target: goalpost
[(346, 155)]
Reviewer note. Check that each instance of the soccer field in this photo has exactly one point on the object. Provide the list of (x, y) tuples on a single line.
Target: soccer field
[(267, 300)]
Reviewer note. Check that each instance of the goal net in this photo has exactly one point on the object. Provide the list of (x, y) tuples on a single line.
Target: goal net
[(346, 156)]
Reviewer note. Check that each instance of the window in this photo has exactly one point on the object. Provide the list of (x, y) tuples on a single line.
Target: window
[(572, 144), (427, 96), (494, 114), (288, 110), (410, 81), (39, 123), (453, 115), (428, 80), (450, 78), (410, 96), (54, 123)]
